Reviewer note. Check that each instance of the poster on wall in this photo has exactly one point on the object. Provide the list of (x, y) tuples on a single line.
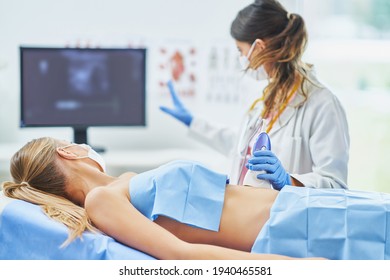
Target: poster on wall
[(178, 63)]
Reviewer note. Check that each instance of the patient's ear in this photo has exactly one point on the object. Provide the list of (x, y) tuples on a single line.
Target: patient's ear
[(66, 154)]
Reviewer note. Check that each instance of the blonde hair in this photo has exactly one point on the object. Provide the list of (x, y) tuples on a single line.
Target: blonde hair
[(38, 179), (285, 38)]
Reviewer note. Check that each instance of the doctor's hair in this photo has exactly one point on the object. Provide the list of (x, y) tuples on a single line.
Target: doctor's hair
[(285, 39), (38, 179)]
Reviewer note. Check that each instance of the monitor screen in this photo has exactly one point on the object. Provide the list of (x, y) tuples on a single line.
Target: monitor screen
[(82, 87)]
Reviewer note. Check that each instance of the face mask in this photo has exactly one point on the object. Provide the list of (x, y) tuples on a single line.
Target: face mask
[(259, 74), (92, 154)]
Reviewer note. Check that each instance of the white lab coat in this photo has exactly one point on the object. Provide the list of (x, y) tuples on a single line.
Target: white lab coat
[(311, 140)]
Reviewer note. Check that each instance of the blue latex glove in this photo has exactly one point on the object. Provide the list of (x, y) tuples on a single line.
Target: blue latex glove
[(264, 160), (179, 111)]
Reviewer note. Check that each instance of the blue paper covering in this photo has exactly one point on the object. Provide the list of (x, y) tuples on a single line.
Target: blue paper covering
[(182, 190), (26, 233), (330, 223)]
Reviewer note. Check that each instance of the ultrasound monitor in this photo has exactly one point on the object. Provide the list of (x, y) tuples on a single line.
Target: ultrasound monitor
[(81, 87)]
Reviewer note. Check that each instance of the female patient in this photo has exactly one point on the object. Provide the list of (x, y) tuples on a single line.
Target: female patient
[(180, 210)]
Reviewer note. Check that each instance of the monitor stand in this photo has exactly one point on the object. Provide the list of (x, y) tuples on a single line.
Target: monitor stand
[(80, 137)]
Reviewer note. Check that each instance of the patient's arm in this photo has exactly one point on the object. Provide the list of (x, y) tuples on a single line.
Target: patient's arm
[(113, 214)]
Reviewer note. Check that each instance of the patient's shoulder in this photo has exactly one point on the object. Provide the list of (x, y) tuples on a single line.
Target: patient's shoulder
[(96, 196), (101, 200)]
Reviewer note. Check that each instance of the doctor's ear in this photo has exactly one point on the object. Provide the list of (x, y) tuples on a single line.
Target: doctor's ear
[(66, 154), (260, 44)]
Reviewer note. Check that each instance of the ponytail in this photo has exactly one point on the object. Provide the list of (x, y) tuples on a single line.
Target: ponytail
[(295, 38), (285, 52)]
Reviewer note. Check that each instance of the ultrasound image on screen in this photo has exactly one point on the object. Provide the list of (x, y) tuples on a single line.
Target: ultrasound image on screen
[(88, 73), (83, 87)]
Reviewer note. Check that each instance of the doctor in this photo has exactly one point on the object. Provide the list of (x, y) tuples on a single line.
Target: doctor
[(306, 123)]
